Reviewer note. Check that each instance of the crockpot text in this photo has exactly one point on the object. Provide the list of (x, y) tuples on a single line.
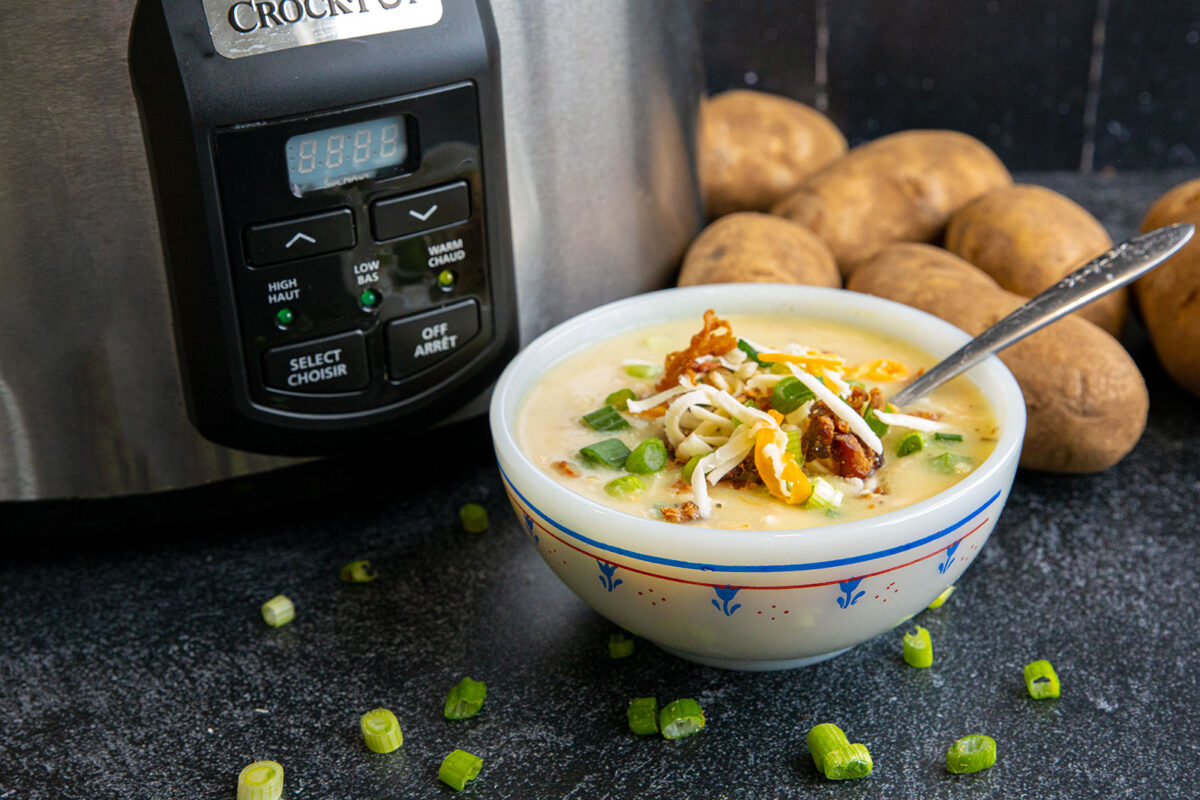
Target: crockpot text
[(246, 16)]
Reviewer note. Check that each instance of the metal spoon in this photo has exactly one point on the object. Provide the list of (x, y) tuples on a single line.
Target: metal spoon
[(1098, 277)]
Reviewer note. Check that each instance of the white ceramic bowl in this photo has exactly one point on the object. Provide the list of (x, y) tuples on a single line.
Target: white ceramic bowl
[(756, 600)]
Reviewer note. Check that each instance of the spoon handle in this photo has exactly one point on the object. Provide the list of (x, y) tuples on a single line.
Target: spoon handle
[(1098, 277)]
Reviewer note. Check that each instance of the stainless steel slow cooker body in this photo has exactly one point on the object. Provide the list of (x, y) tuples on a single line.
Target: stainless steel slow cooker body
[(599, 112)]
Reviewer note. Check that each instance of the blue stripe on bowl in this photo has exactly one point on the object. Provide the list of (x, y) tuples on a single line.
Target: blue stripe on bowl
[(699, 565)]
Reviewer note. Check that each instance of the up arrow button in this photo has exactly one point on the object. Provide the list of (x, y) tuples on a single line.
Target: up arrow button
[(292, 239)]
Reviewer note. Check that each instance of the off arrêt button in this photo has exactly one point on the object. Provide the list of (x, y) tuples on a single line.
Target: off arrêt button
[(422, 340), (335, 364)]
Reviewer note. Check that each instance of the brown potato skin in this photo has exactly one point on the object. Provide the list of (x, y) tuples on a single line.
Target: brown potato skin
[(899, 188), (755, 148), (748, 247), (1169, 296), (1085, 398), (1028, 238)]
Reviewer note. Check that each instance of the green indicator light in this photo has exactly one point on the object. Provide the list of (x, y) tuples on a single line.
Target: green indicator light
[(284, 317), (446, 279), (369, 298)]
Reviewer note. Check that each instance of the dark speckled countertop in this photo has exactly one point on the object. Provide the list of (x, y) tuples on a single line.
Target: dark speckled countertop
[(134, 663)]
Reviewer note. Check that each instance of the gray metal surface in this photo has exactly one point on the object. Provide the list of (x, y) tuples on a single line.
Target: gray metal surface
[(1119, 266), (600, 107)]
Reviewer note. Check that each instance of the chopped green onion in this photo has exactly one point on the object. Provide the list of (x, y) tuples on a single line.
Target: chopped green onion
[(608, 453), (278, 611), (789, 394), (918, 648), (681, 718), (823, 740), (779, 368), (357, 572), (262, 780), (950, 463), (642, 370), (911, 443), (795, 444), (971, 754), (381, 730), (649, 456), (619, 645), (626, 484), (750, 352), (948, 437), (690, 467), (474, 518), (605, 418), (465, 699), (643, 715), (458, 768), (620, 399), (942, 598), (824, 496), (1041, 680), (847, 763), (875, 423)]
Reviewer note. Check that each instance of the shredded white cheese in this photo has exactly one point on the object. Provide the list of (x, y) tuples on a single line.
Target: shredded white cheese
[(838, 406), (909, 421), (638, 406)]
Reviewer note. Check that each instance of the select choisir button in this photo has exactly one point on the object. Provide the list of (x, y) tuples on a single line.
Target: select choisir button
[(323, 366), (422, 340)]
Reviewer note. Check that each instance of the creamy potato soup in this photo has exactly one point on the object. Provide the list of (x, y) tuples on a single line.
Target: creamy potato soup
[(754, 422)]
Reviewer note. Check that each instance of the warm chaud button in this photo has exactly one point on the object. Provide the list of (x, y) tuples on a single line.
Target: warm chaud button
[(422, 340), (322, 366)]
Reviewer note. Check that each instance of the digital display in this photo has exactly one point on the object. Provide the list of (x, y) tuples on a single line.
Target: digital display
[(348, 153)]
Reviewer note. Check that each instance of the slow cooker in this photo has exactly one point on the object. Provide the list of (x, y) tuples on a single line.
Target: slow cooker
[(237, 232)]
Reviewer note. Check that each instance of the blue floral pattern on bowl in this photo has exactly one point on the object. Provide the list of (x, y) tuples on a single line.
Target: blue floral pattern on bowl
[(606, 577), (726, 594), (849, 597)]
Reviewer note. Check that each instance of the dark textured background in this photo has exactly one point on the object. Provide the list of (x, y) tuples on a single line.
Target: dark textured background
[(1080, 84), (134, 664)]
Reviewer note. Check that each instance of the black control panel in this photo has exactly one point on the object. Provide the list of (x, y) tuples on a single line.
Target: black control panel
[(337, 248)]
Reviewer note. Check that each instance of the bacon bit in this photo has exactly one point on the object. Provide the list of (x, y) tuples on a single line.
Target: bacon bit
[(881, 369), (565, 469), (710, 341), (684, 512), (827, 436), (680, 486)]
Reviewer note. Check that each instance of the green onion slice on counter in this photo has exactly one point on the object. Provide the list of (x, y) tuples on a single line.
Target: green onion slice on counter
[(465, 699), (918, 648), (626, 484), (620, 399), (642, 370), (605, 418), (262, 780), (458, 768), (971, 754), (681, 718), (381, 730), (847, 763), (619, 645), (643, 715), (357, 572), (824, 739), (607, 453), (690, 467), (1041, 680), (649, 456), (940, 600), (948, 437), (911, 443), (789, 394), (474, 518), (278, 611)]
